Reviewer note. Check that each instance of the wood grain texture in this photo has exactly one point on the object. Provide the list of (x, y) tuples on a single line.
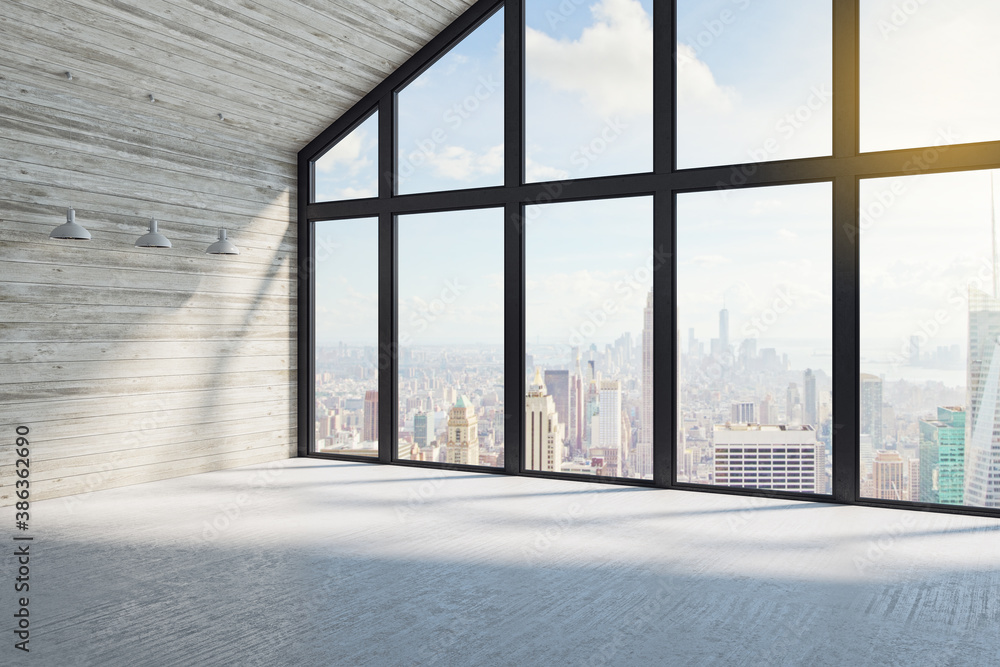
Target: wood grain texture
[(131, 365)]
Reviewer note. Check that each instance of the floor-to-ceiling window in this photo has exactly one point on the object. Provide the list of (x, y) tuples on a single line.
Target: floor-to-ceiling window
[(729, 246)]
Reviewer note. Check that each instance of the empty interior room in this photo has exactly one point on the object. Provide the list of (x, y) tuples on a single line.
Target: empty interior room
[(500, 332)]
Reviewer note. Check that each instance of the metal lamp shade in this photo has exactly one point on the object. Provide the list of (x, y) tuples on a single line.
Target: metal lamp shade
[(222, 246), (153, 238), (69, 230)]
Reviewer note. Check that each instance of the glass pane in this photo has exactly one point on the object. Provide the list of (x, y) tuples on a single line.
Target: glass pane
[(929, 73), (589, 331), (450, 123), (451, 335), (754, 81), (589, 88), (346, 331), (754, 302), (349, 169), (930, 321)]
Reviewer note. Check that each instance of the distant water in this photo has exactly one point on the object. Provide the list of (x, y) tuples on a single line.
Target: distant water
[(916, 374)]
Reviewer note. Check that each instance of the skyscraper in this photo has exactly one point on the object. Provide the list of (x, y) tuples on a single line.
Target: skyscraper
[(887, 476), (982, 450), (463, 433), (423, 429), (743, 412), (369, 431), (644, 451), (942, 457), (810, 403), (768, 411), (557, 385), (606, 436), (793, 404), (576, 401), (724, 331), (543, 432), (871, 409)]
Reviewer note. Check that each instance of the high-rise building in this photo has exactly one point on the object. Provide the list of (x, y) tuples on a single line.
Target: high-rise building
[(370, 429), (942, 457), (758, 456), (913, 483), (982, 445), (576, 401), (463, 433), (606, 427), (744, 412), (871, 409), (557, 384), (423, 429), (768, 410), (887, 476), (810, 404), (793, 405), (644, 450), (543, 432), (724, 331)]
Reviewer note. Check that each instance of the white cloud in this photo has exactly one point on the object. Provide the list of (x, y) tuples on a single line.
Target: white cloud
[(610, 66), (347, 152), (462, 164), (710, 260), (697, 90), (535, 172), (355, 193)]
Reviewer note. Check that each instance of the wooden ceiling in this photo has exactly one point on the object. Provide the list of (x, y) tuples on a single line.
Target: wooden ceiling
[(282, 70)]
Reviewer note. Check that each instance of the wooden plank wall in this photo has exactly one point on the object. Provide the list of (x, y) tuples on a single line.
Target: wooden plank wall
[(131, 365)]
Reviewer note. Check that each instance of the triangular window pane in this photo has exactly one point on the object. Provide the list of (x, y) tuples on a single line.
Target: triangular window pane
[(349, 169), (450, 125)]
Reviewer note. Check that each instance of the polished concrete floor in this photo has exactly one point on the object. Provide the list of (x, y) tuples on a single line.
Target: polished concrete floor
[(310, 562)]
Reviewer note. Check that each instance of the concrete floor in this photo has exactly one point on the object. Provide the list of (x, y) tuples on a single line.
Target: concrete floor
[(310, 562)]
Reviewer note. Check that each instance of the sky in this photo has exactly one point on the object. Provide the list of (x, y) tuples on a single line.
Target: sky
[(451, 277), (924, 240), (929, 75), (347, 282), (588, 270), (753, 84), (767, 255)]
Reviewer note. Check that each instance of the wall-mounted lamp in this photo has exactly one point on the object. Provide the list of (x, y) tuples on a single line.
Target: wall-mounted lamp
[(222, 246), (153, 238), (70, 230)]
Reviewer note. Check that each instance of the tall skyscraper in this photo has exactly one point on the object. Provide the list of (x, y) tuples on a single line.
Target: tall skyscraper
[(644, 451), (810, 404), (369, 432), (743, 413), (543, 432), (576, 402), (557, 385), (463, 433), (982, 450), (942, 457), (766, 457), (887, 476), (793, 405), (423, 429), (724, 330), (768, 411), (871, 409), (607, 427)]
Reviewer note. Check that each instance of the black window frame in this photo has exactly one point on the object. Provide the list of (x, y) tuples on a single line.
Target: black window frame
[(844, 169)]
